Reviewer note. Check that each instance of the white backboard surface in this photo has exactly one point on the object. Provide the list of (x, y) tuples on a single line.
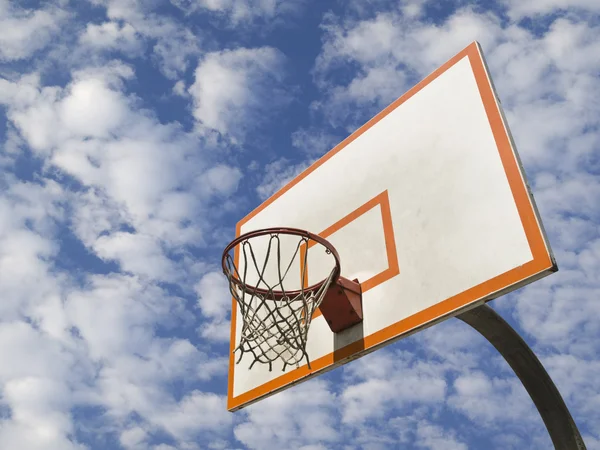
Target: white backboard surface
[(427, 206)]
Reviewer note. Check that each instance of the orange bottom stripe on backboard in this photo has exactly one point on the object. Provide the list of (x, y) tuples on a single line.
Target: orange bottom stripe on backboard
[(414, 322)]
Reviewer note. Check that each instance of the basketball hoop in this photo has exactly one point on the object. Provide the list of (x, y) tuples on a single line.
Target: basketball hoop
[(268, 277)]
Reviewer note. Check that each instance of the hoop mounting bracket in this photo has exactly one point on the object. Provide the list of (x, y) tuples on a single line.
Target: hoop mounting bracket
[(342, 305)]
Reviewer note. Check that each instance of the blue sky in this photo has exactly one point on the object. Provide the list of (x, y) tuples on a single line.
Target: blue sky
[(134, 135)]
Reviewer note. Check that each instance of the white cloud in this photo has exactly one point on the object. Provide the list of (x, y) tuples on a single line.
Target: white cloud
[(139, 174), (37, 382), (27, 223), (30, 105), (143, 187), (541, 80), (39, 415), (575, 378), (435, 437), (277, 174), (139, 254), (219, 180), (26, 31), (239, 11), (374, 377), (518, 10), (233, 85), (478, 396), (313, 141), (214, 300), (107, 114), (116, 318), (112, 36), (454, 342), (116, 314), (197, 413), (364, 42), (48, 116), (179, 89), (172, 44), (134, 438), (45, 358), (383, 49), (215, 330), (174, 48), (95, 214), (143, 173), (300, 416), (214, 297)]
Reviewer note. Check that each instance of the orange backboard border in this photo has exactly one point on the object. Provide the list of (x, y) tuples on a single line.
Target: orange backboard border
[(542, 263)]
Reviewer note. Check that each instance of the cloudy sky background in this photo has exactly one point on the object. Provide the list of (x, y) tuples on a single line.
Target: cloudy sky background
[(134, 134)]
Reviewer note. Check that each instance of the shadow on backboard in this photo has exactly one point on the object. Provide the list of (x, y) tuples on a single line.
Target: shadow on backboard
[(348, 342)]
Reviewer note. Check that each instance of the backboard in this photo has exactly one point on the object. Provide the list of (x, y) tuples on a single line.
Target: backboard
[(428, 207)]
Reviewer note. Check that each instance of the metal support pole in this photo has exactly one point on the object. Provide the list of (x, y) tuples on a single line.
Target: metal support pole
[(529, 369)]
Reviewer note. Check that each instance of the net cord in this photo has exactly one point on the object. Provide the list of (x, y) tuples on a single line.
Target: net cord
[(274, 324)]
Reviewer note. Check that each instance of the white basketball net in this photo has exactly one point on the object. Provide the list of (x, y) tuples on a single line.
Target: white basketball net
[(275, 324)]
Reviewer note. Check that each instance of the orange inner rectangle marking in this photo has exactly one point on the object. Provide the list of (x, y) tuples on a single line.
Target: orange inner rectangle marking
[(382, 200)]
